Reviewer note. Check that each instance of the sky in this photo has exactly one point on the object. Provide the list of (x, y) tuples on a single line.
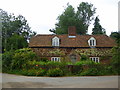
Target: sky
[(42, 14)]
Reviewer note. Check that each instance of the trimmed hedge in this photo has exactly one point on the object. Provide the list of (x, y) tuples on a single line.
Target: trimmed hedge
[(55, 72)]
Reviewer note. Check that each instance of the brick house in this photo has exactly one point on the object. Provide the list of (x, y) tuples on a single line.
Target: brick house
[(68, 46)]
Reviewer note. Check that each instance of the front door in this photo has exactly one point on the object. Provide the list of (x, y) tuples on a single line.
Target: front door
[(73, 58)]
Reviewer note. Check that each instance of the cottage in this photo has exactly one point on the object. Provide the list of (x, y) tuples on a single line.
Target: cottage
[(71, 46)]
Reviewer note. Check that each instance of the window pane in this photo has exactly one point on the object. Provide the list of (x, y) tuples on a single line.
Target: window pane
[(55, 59), (93, 43), (90, 42), (96, 58), (91, 58)]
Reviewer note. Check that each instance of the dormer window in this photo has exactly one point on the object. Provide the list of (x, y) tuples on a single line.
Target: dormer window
[(92, 41), (55, 41)]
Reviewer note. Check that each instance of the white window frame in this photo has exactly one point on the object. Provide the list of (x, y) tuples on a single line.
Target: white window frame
[(92, 41), (55, 41), (95, 59), (55, 59)]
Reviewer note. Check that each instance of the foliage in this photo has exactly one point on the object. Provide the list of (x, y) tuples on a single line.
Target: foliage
[(90, 72), (21, 57), (7, 60), (15, 29), (96, 70), (30, 72), (116, 36), (97, 27), (55, 72), (14, 42), (57, 52), (84, 57), (44, 59), (116, 52), (80, 19), (85, 62), (25, 62), (34, 72), (94, 52), (34, 62), (85, 13), (116, 58)]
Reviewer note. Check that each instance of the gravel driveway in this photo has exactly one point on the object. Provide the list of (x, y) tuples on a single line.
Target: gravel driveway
[(17, 81)]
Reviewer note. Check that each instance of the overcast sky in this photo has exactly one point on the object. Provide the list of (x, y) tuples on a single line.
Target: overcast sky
[(42, 14)]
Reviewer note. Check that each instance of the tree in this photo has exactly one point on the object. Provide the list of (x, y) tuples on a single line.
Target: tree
[(116, 51), (81, 19), (85, 14), (97, 27), (14, 29), (14, 42), (116, 36)]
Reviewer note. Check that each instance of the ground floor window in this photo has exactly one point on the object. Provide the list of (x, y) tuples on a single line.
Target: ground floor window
[(95, 59), (55, 59)]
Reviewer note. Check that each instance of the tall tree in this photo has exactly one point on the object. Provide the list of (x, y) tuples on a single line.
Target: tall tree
[(97, 27), (14, 27), (81, 19), (85, 13)]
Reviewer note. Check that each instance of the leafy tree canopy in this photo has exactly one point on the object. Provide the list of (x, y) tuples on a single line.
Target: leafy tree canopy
[(15, 31), (80, 19), (116, 36)]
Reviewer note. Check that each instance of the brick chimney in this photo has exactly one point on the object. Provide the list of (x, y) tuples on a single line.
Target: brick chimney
[(71, 31)]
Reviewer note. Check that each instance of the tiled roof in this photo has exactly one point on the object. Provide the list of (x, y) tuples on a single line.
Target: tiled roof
[(80, 41)]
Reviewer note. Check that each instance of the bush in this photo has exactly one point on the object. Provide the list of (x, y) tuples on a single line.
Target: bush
[(54, 63), (7, 60), (86, 62), (21, 57), (55, 72), (34, 62), (84, 57), (90, 72), (44, 59), (30, 72), (34, 72)]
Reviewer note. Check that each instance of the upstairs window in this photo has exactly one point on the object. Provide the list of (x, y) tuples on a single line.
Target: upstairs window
[(55, 41), (92, 41)]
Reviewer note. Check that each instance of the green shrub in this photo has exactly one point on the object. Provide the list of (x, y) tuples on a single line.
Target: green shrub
[(34, 72), (7, 60), (86, 62), (55, 72), (54, 63), (30, 72), (84, 57), (21, 57), (44, 59), (90, 72), (34, 62)]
